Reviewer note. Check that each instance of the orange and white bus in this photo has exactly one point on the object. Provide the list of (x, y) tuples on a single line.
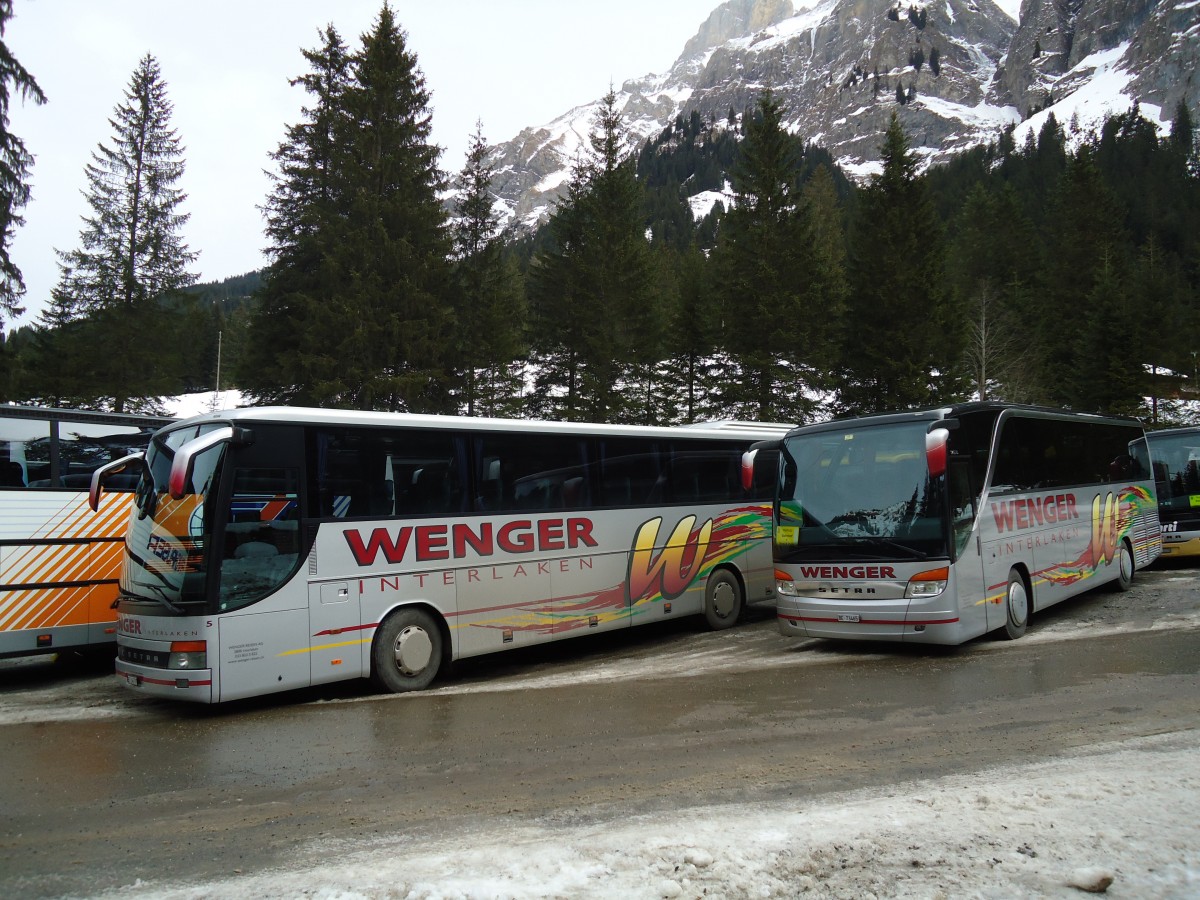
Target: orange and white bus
[(59, 563), (275, 548), (941, 525)]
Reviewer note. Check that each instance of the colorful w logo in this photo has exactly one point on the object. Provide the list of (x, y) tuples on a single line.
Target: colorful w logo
[(1104, 531), (679, 562)]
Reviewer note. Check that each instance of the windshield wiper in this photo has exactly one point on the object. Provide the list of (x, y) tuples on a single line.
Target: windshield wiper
[(159, 589)]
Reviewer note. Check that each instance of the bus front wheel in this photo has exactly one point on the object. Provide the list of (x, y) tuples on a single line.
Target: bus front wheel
[(722, 600), (407, 651), (1016, 606)]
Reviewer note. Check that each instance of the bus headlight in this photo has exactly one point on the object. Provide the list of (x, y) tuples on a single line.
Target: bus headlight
[(784, 584), (927, 584), (188, 655)]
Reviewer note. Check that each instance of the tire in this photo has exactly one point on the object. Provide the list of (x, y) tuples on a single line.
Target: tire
[(1016, 606), (1125, 568), (722, 600), (407, 652)]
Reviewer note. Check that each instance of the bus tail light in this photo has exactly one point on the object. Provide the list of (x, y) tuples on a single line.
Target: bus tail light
[(188, 655), (927, 584), (784, 584)]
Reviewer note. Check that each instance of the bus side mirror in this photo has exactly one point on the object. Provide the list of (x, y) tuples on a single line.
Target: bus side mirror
[(102, 473), (750, 459), (937, 443), (748, 469), (184, 461)]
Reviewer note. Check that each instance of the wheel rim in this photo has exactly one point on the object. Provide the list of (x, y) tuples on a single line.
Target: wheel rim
[(724, 599), (1018, 602), (413, 650), (1126, 563)]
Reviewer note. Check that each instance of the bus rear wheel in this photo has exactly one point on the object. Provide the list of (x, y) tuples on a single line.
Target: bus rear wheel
[(1016, 606), (722, 600), (407, 652), (1125, 568)]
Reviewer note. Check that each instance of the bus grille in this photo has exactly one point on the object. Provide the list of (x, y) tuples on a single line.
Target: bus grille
[(152, 658)]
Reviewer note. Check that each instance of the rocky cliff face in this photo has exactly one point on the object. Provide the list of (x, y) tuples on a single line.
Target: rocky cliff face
[(1055, 51), (957, 72)]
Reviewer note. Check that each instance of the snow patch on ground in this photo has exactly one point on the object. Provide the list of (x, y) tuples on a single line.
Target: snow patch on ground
[(1127, 811)]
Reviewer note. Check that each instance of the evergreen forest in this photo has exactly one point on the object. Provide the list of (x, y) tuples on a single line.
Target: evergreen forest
[(1062, 271)]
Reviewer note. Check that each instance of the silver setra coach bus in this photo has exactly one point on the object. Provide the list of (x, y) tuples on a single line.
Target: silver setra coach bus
[(941, 525), (275, 548)]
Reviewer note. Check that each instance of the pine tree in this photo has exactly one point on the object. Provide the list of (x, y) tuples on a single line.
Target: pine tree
[(1167, 315), (490, 304), (905, 342), (768, 277), (828, 286), (598, 325), (367, 284), (282, 356), (15, 164), (691, 372), (1108, 375), (131, 259), (1183, 138), (1085, 239), (993, 260), (394, 321)]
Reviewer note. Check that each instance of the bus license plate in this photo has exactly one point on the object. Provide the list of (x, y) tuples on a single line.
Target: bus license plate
[(847, 617), (135, 680)]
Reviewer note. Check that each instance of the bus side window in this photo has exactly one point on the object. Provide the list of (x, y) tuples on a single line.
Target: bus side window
[(430, 490), (520, 472), (12, 475), (629, 471), (705, 475)]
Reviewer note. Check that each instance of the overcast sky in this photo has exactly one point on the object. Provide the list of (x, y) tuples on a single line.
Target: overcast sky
[(226, 64)]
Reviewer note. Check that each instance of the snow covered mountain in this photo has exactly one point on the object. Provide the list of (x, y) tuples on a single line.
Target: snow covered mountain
[(957, 71)]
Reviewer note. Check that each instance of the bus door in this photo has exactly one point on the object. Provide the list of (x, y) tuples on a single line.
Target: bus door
[(336, 635), (964, 478), (262, 586)]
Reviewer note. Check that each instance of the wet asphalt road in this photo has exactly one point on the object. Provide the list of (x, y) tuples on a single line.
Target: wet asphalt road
[(117, 788)]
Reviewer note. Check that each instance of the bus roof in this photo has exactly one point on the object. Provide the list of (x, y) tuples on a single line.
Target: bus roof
[(1168, 432), (953, 410), (728, 429)]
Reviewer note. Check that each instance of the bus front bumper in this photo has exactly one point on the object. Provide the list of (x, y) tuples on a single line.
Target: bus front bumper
[(1177, 546), (193, 684), (895, 620)]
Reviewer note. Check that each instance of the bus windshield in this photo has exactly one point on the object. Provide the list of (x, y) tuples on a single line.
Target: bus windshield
[(1177, 470), (860, 493), (166, 560)]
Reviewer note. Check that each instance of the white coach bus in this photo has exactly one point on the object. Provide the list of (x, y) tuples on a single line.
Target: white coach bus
[(278, 548), (942, 525)]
